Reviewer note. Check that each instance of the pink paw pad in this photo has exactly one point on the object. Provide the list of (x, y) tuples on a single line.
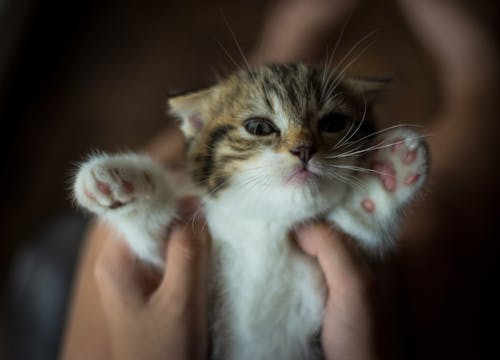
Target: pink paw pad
[(410, 157), (368, 205), (127, 187), (114, 182), (398, 144), (412, 179), (103, 187), (116, 189), (387, 174), (399, 169)]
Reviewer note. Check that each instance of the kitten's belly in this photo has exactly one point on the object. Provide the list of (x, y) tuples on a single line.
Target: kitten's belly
[(270, 298)]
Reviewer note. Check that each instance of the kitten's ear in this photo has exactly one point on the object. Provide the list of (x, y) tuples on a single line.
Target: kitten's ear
[(188, 108), (371, 88)]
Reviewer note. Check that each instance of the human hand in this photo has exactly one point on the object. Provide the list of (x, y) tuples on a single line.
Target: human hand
[(347, 331), (152, 316)]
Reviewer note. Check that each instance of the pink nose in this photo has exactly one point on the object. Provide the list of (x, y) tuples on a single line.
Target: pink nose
[(304, 153)]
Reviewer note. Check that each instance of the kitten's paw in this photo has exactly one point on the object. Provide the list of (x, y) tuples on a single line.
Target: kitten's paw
[(111, 182), (401, 165), (398, 170)]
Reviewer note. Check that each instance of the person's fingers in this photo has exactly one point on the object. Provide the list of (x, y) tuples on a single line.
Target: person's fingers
[(186, 258), (116, 276), (341, 264), (346, 329)]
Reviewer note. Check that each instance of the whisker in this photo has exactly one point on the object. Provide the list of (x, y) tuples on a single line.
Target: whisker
[(346, 56), (380, 145), (361, 122), (361, 169), (347, 179), (341, 74), (384, 130), (355, 46), (343, 139), (328, 60), (236, 42), (228, 55), (344, 178)]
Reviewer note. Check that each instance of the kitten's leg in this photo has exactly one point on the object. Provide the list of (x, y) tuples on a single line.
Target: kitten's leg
[(132, 192), (372, 211)]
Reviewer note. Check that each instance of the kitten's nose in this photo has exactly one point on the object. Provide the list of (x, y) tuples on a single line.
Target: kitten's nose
[(304, 153)]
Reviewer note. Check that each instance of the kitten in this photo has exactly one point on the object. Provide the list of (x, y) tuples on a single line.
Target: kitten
[(268, 149)]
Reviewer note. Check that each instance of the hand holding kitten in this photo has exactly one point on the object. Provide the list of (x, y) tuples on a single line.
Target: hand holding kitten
[(347, 330), (150, 317)]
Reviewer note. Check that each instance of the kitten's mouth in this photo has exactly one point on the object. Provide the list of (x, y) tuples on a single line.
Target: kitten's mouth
[(302, 175)]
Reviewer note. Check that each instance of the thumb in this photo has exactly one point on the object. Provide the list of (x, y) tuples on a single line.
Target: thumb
[(116, 276), (340, 262), (186, 258)]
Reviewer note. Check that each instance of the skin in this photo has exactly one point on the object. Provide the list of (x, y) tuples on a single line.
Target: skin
[(151, 316), (90, 330), (294, 30), (349, 315)]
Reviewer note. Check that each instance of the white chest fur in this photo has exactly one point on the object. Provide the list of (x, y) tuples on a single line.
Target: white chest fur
[(270, 296)]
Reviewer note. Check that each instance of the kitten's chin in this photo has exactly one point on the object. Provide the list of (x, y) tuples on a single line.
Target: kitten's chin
[(302, 176)]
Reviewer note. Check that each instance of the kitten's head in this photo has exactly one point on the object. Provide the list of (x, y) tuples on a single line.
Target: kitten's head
[(279, 130)]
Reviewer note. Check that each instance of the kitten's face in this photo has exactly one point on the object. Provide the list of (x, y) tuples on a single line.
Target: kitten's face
[(280, 129)]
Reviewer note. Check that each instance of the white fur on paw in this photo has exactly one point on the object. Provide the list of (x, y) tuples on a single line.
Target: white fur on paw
[(399, 169), (401, 165), (110, 182)]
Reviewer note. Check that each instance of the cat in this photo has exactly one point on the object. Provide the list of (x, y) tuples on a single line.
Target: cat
[(268, 149)]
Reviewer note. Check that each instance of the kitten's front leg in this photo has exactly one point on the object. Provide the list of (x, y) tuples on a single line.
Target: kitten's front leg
[(132, 192), (372, 212)]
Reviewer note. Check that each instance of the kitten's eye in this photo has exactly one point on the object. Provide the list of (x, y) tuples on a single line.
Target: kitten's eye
[(333, 122), (259, 126)]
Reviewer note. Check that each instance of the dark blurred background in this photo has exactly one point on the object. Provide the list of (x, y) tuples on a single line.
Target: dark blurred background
[(82, 75)]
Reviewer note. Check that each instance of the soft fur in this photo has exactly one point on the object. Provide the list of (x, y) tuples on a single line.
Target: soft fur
[(322, 159)]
